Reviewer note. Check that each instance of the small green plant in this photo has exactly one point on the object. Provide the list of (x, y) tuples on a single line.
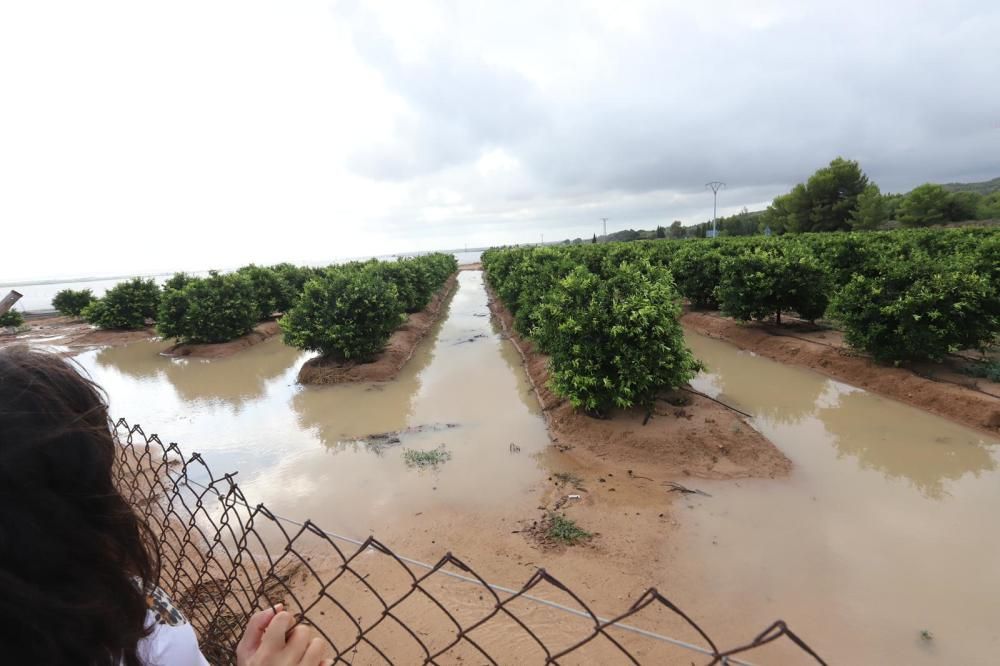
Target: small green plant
[(568, 478), (986, 369), (926, 635), (71, 302), (565, 530), (424, 459), (127, 305), (11, 319)]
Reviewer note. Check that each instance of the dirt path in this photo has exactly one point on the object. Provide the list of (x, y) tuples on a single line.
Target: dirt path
[(400, 348), (828, 355)]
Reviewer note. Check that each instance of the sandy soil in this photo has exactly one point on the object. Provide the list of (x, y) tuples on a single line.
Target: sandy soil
[(697, 437), (73, 335), (975, 404), (261, 332), (397, 352)]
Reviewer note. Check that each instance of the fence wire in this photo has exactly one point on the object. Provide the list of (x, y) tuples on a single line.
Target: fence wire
[(224, 558)]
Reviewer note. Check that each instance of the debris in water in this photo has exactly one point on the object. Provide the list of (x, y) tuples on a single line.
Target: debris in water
[(678, 488)]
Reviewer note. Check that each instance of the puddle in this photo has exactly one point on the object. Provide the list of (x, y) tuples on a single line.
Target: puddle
[(303, 450), (886, 527)]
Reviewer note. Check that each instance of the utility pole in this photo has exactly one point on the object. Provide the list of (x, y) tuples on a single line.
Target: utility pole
[(715, 186), (605, 220)]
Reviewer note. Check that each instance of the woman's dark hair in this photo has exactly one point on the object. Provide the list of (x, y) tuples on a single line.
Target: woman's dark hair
[(71, 548)]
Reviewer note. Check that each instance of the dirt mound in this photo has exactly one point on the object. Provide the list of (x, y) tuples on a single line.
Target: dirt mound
[(397, 352), (700, 438), (968, 406), (262, 331)]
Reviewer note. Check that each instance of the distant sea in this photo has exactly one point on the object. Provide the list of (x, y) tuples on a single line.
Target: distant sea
[(37, 295)]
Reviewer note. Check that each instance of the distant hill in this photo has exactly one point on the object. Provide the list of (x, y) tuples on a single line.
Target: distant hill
[(984, 188)]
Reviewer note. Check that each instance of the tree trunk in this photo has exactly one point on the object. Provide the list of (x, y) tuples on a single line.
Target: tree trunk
[(8, 301), (777, 317)]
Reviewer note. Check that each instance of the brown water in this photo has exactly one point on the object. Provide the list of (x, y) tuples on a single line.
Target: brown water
[(300, 449), (886, 527)]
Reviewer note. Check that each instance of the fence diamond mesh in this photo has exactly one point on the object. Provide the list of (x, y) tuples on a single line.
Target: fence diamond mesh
[(224, 558)]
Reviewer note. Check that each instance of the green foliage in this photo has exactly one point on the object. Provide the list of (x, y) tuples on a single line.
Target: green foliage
[(271, 293), (209, 310), (426, 459), (127, 305), (870, 212), (346, 313), (921, 309), (614, 341), (696, 268), (925, 205), (11, 319), (986, 369), (71, 302), (770, 279), (563, 529), (177, 281), (826, 202)]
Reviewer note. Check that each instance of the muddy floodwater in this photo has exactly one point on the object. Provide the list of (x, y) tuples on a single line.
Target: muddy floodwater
[(308, 451), (886, 528)]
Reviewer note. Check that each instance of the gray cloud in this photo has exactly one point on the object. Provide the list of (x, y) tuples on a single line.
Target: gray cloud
[(651, 113)]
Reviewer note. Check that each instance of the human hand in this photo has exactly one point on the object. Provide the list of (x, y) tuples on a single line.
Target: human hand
[(270, 640)]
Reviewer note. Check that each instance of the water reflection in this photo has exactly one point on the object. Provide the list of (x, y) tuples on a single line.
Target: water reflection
[(744, 385), (905, 445), (882, 529), (234, 381), (880, 434)]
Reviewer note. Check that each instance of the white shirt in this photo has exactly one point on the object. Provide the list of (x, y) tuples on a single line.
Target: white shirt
[(172, 641)]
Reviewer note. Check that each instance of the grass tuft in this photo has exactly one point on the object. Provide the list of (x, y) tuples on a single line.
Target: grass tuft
[(425, 459), (565, 530)]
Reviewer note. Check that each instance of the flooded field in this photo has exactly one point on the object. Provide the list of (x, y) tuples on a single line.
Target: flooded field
[(885, 529), (307, 451)]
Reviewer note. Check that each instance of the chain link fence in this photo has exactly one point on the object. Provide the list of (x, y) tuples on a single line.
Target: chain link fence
[(223, 558)]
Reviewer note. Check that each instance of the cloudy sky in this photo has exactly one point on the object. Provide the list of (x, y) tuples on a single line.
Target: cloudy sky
[(141, 136)]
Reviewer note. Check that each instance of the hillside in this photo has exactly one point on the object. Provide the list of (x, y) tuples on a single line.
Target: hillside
[(984, 188)]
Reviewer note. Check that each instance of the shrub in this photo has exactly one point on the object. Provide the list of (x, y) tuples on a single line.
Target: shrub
[(614, 342), (11, 319), (209, 310), (413, 280), (71, 302), (177, 281), (293, 278), (923, 309), (127, 305), (270, 291), (768, 280), (696, 269), (347, 313)]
